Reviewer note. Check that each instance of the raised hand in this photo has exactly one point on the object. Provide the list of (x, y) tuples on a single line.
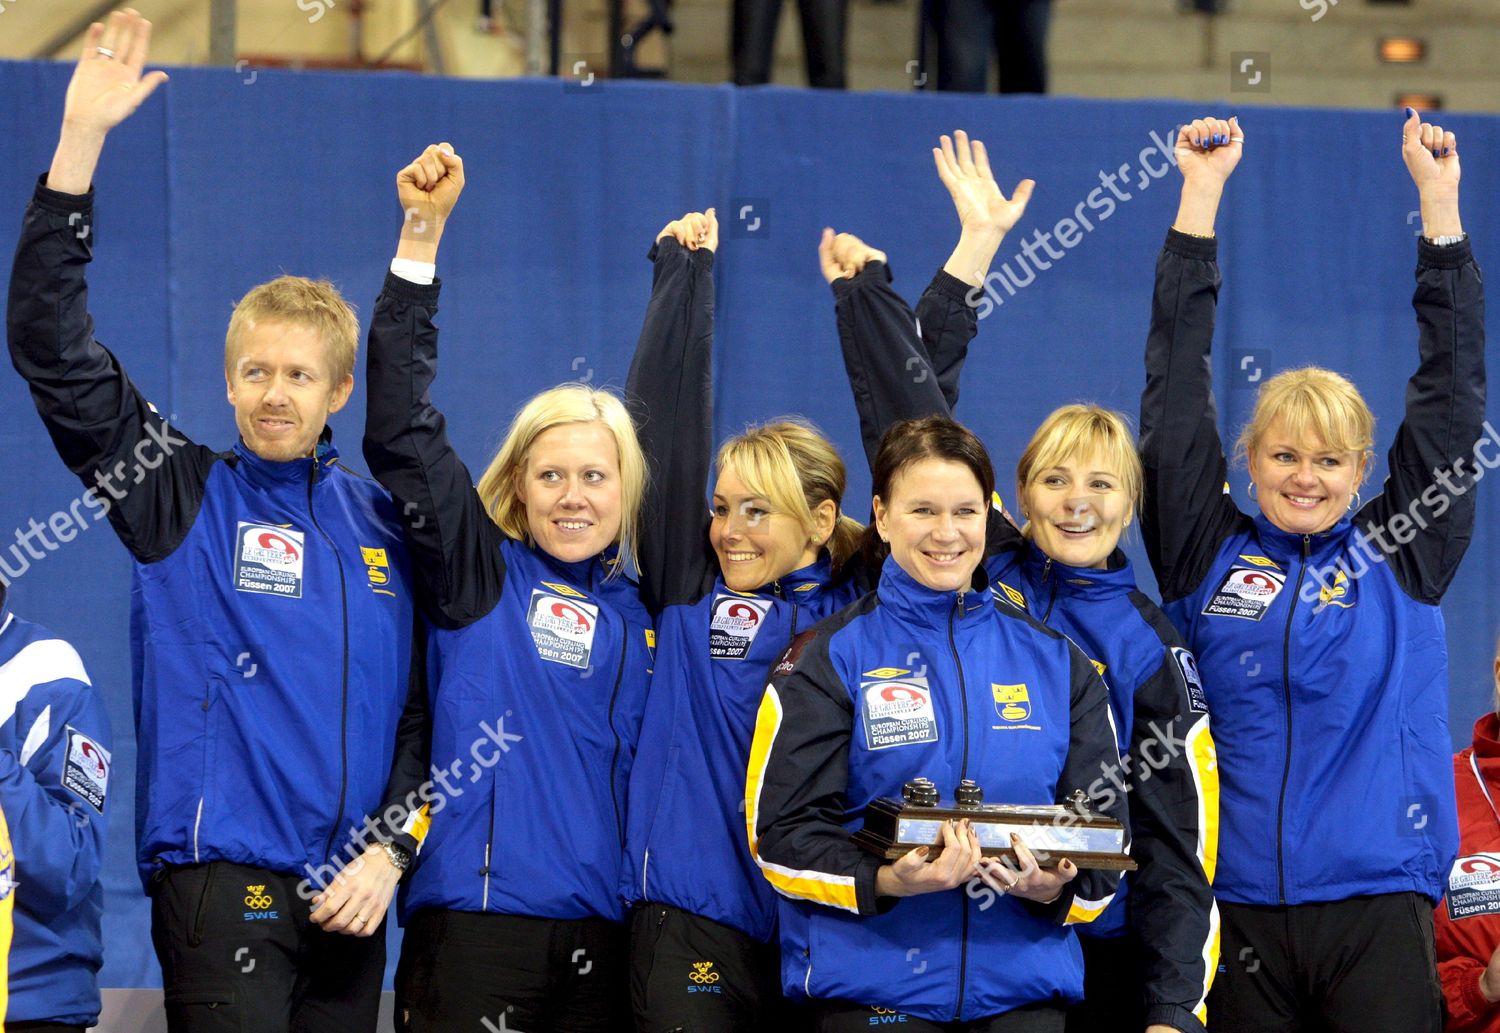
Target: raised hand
[(107, 84), (694, 230), (106, 88), (1207, 152), (1208, 149), (1431, 154), (844, 256), (428, 189), (964, 169)]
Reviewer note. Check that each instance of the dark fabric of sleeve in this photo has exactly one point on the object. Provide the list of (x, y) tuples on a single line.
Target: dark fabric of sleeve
[(1424, 516), (455, 546), (1186, 513), (796, 785), (670, 395), (144, 472), (884, 357), (947, 323)]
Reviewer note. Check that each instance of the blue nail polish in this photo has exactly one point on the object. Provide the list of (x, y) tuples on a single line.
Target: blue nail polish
[(1435, 153), (1410, 112), (1445, 151)]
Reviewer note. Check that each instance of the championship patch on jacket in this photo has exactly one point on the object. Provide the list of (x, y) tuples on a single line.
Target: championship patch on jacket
[(86, 771), (1245, 592), (563, 629), (734, 624), (1187, 663), (897, 709), (1474, 886), (268, 560)]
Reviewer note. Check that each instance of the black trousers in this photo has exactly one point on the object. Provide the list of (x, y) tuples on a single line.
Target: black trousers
[(1113, 978), (690, 974), (824, 24), (239, 955), (967, 30), (842, 1017), (465, 972), (1363, 965)]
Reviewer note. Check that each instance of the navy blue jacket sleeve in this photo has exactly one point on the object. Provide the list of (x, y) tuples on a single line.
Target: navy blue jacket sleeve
[(885, 357), (797, 781), (670, 394), (1424, 517), (1186, 513), (53, 793), (947, 323), (142, 472), (1174, 818), (455, 546), (1091, 751)]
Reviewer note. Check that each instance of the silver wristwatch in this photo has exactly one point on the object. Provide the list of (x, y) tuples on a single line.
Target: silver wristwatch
[(397, 855)]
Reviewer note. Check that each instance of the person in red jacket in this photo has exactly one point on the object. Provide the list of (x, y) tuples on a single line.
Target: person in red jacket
[(1467, 922)]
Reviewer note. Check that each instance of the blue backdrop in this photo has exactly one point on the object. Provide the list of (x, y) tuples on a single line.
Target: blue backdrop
[(218, 184)]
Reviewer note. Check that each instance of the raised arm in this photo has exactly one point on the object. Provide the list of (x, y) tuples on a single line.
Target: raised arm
[(670, 395), (1187, 511), (144, 473), (901, 365), (454, 544), (1424, 517)]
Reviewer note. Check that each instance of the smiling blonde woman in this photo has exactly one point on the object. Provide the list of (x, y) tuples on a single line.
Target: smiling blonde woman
[(1316, 620)]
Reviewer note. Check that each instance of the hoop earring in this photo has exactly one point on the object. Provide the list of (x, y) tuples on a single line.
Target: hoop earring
[(1251, 491), (1356, 502)]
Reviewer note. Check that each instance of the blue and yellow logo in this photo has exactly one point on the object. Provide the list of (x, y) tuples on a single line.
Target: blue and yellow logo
[(571, 593), (1012, 702), (1016, 598), (377, 569), (1337, 594)]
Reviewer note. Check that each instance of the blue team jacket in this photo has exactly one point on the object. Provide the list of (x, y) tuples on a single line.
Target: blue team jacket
[(55, 770), (536, 708), (272, 651), (906, 682), (271, 614), (1323, 656), (685, 843), (1338, 781)]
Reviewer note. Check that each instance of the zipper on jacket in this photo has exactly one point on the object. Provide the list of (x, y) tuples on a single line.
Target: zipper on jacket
[(484, 901), (1046, 575), (614, 760), (198, 820), (1286, 688), (795, 611), (338, 814), (963, 900), (645, 870)]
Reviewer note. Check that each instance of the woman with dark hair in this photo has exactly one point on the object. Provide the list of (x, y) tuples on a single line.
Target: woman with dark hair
[(927, 677), (1150, 958)]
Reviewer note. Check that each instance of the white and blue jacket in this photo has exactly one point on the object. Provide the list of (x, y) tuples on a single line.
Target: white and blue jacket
[(55, 768)]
